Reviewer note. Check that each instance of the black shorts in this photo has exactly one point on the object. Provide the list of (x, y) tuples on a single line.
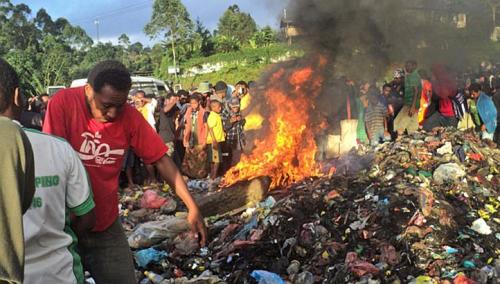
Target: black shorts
[(215, 154)]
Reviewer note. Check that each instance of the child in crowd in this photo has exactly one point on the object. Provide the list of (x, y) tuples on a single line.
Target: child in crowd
[(215, 138)]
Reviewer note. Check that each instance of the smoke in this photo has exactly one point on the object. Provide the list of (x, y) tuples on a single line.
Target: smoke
[(365, 38), (347, 32)]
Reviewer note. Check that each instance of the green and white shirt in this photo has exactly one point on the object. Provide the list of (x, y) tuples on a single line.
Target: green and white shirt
[(62, 188)]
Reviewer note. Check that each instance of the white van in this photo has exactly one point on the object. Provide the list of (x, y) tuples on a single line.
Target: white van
[(51, 90), (148, 84)]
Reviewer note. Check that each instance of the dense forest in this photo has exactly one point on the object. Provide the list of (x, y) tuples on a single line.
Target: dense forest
[(47, 51)]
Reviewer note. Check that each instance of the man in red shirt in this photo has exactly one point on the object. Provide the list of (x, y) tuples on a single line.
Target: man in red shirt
[(445, 88), (101, 126)]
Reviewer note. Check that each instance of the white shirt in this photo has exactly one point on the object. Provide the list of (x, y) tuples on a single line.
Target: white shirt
[(61, 187)]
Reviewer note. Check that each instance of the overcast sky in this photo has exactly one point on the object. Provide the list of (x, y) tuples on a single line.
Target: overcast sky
[(130, 17)]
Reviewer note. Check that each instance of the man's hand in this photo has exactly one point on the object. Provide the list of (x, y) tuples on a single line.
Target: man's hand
[(412, 111), (215, 144), (171, 174), (483, 128), (233, 119), (198, 225)]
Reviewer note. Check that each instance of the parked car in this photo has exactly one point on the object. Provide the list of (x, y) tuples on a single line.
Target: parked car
[(150, 85)]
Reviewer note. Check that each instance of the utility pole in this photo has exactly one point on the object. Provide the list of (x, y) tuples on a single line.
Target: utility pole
[(96, 23), (287, 35)]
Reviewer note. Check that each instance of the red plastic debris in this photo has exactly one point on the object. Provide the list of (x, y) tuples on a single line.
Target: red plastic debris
[(151, 200), (462, 279)]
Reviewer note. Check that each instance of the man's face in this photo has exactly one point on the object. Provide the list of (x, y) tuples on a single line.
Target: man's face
[(474, 94), (109, 102), (139, 100), (410, 67), (242, 90), (365, 87), (386, 92), (45, 100)]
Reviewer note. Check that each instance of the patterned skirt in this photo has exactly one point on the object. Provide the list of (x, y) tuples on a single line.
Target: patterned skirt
[(195, 163)]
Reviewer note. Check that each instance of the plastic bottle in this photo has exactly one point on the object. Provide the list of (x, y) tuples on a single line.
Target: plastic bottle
[(155, 278)]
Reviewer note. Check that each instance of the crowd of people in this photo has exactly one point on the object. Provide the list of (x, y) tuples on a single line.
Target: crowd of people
[(416, 100), (55, 191), (203, 129)]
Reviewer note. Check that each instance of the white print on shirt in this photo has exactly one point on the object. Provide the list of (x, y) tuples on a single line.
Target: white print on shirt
[(92, 149)]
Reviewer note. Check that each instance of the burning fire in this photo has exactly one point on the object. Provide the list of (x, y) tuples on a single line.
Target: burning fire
[(287, 152)]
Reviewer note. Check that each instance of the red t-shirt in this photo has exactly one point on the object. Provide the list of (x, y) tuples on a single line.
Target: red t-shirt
[(102, 146), (446, 107)]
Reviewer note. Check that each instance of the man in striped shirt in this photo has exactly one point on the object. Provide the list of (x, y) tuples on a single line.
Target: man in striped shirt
[(375, 119)]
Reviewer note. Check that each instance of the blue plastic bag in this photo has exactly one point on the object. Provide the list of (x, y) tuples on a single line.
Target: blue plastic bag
[(266, 277), (146, 256)]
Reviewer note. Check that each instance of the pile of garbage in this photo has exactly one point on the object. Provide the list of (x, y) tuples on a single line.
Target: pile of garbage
[(424, 211)]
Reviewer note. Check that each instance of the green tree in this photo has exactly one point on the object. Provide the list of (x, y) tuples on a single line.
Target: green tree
[(136, 48), (206, 45), (263, 37), (170, 18), (237, 23), (124, 40), (226, 44)]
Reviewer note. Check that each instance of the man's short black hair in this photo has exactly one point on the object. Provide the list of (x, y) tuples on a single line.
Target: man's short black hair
[(220, 86), (169, 95), (43, 95), (112, 73), (140, 92), (242, 83), (181, 93), (475, 87), (9, 81), (387, 85)]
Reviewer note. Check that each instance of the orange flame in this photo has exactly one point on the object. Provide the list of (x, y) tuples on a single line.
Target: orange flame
[(287, 153)]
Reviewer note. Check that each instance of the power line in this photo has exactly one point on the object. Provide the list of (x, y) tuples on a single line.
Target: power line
[(118, 11)]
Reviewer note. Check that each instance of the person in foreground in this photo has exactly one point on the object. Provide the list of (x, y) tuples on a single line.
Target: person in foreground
[(17, 181), (61, 183), (486, 111), (100, 126)]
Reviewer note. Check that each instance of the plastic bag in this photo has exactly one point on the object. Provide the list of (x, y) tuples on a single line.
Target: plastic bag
[(266, 277), (152, 200), (305, 277), (481, 227), (151, 233), (448, 172), (146, 256), (462, 279)]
